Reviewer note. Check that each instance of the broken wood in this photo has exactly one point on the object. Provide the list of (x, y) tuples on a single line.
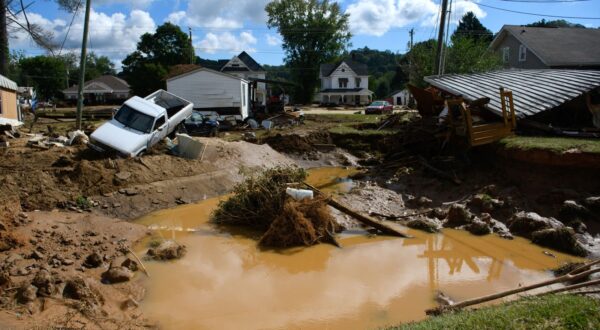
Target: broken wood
[(571, 276), (140, 261), (366, 220)]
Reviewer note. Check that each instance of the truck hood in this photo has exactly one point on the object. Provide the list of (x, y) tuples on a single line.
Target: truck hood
[(123, 139)]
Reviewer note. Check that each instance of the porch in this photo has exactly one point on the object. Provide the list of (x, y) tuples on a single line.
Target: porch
[(359, 96)]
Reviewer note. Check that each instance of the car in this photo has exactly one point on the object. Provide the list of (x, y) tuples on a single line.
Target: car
[(200, 125), (141, 123), (380, 107)]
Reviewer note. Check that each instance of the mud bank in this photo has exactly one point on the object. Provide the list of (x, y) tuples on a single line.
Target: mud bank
[(63, 290), (126, 188)]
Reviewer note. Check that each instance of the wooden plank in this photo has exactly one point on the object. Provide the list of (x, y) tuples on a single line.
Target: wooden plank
[(364, 219)]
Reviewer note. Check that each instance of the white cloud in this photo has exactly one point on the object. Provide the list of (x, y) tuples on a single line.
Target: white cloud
[(273, 40), (114, 36), (376, 17), (222, 14), (177, 17), (227, 42)]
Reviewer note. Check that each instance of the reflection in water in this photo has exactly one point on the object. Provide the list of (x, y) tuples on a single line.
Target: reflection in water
[(226, 282)]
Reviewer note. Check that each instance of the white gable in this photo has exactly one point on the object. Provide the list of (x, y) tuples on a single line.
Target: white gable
[(235, 62)]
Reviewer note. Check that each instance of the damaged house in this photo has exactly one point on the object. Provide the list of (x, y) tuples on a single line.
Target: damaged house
[(552, 100)]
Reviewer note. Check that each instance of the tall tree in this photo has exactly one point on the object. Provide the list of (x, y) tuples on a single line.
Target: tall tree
[(314, 32), (469, 26), (46, 73), (146, 68)]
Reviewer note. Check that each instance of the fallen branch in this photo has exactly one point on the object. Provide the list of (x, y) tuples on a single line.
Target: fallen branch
[(571, 276), (140, 261), (587, 292), (570, 287), (366, 220)]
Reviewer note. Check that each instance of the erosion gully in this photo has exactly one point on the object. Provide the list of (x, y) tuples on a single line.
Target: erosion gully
[(227, 282)]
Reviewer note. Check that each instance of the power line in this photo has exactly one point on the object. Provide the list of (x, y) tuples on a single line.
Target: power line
[(532, 14), (69, 28)]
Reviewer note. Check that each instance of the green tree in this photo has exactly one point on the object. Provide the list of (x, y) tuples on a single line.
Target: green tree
[(469, 26), (146, 68), (46, 73), (469, 55), (422, 57), (555, 24), (314, 32)]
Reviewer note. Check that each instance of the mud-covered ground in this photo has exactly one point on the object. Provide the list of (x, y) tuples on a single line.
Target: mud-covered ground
[(64, 204)]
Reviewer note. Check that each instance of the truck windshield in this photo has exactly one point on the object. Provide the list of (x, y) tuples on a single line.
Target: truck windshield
[(134, 119)]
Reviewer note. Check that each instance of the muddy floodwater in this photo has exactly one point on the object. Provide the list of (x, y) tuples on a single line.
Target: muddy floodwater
[(226, 282)]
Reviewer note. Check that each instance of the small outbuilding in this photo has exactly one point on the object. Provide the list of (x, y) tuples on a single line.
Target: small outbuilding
[(213, 92), (400, 97), (8, 100)]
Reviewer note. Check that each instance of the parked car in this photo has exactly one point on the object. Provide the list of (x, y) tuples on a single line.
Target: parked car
[(140, 123), (200, 125), (379, 107)]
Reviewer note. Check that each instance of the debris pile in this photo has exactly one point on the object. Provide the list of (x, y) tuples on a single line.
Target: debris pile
[(261, 203)]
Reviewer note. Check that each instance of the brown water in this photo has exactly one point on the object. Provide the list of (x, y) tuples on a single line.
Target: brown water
[(226, 282)]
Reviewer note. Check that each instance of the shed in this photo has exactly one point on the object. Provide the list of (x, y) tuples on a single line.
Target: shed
[(400, 97), (213, 92), (8, 100)]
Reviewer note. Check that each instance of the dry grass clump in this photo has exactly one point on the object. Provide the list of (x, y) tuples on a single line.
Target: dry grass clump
[(260, 202)]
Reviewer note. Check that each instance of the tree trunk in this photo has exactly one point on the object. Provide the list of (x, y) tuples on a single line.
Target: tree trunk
[(4, 52)]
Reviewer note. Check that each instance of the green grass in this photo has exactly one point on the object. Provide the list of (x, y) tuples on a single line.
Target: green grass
[(344, 118), (555, 144), (350, 130), (548, 312)]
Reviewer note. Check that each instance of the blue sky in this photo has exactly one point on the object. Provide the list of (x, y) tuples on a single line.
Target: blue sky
[(222, 28)]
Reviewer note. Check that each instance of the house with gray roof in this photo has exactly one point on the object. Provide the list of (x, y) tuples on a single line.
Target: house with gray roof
[(526, 47), (102, 90), (345, 82), (245, 67)]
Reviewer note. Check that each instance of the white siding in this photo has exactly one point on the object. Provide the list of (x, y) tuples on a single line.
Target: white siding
[(344, 71), (207, 89)]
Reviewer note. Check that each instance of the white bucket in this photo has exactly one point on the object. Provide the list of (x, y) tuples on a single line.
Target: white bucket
[(299, 194)]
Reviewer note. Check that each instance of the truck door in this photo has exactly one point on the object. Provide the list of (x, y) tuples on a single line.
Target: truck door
[(159, 131)]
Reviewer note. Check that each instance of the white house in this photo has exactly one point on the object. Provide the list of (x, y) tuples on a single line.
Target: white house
[(346, 82), (213, 92), (400, 97), (245, 67)]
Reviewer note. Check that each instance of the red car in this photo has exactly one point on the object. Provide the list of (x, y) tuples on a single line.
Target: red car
[(379, 107)]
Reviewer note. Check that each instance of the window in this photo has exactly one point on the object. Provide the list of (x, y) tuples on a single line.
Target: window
[(522, 53), (357, 81), (134, 119), (505, 54), (343, 82), (159, 122)]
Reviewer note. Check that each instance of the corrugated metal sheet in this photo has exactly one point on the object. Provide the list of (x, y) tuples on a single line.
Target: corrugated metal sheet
[(7, 83), (534, 91)]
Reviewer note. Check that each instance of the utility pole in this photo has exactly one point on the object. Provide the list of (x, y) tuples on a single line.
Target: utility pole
[(82, 63), (440, 41), (191, 46), (411, 33)]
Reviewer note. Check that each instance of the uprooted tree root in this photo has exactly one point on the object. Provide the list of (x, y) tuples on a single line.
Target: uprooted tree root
[(260, 202), (305, 222)]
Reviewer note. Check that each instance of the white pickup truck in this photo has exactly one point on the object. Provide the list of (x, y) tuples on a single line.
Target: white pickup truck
[(140, 123)]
